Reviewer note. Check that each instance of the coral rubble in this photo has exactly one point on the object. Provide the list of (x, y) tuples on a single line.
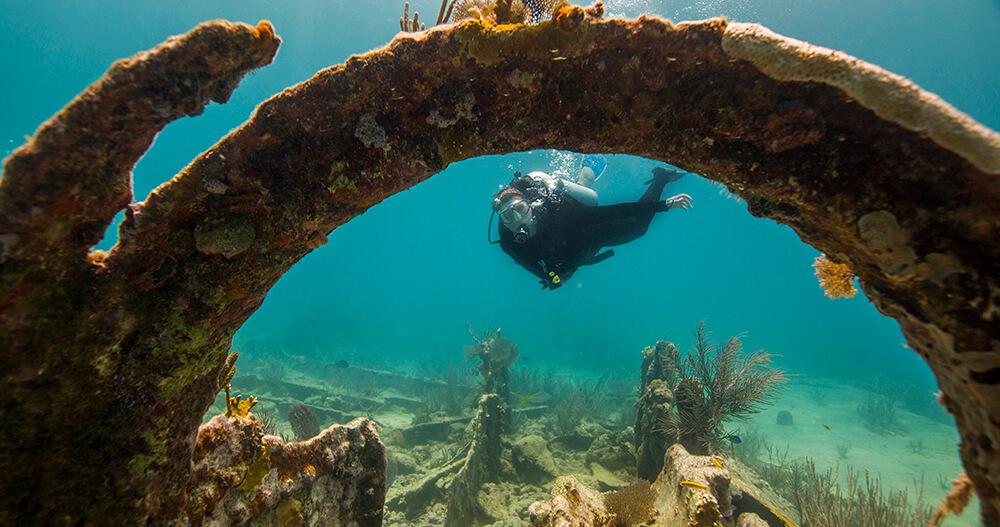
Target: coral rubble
[(862, 164)]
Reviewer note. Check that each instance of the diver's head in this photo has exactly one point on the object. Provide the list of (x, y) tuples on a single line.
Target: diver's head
[(515, 213)]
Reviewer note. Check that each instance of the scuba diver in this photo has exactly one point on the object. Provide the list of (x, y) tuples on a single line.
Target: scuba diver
[(552, 226)]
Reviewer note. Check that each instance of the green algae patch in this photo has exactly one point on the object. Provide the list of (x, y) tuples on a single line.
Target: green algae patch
[(342, 183), (228, 236), (289, 513), (259, 468)]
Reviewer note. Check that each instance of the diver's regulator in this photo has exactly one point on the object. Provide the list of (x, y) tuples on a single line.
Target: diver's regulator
[(521, 236)]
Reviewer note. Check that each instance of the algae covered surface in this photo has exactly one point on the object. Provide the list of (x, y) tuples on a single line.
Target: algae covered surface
[(404, 371)]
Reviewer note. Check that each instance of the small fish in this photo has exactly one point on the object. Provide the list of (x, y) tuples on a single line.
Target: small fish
[(828, 429), (522, 400), (733, 438), (718, 461), (342, 364), (693, 484)]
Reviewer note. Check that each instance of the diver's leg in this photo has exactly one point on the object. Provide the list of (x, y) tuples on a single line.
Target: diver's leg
[(619, 224), (661, 177)]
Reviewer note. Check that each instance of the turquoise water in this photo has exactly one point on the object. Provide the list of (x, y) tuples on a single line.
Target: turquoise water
[(396, 287)]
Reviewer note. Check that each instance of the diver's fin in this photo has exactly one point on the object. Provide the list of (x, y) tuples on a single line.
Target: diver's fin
[(669, 175)]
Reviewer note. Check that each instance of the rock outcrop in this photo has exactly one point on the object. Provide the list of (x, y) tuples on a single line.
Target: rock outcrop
[(654, 405), (241, 476)]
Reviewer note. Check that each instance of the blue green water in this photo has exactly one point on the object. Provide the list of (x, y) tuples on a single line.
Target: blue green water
[(414, 269), (398, 285)]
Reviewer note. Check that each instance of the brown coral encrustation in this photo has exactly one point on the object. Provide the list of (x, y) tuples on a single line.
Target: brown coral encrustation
[(812, 139)]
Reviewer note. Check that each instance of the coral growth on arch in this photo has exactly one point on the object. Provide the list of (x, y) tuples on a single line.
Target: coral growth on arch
[(713, 385)]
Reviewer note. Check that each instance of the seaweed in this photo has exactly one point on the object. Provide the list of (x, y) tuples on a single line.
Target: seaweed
[(568, 412), (878, 414), (862, 502)]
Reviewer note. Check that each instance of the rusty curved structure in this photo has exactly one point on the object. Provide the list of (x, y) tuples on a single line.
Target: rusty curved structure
[(110, 360)]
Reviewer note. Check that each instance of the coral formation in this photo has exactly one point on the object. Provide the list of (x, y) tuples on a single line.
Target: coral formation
[(785, 418), (716, 384), (150, 322), (630, 505), (239, 476), (480, 465), (410, 24), (836, 279), (304, 421), (496, 355), (955, 502), (691, 490), (653, 407), (571, 504)]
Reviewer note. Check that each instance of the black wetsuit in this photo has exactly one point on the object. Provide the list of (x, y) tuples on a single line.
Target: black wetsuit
[(569, 235)]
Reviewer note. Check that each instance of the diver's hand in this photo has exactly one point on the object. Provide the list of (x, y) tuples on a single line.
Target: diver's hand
[(680, 201)]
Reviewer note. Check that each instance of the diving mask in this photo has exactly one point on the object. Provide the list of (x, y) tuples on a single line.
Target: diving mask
[(515, 212)]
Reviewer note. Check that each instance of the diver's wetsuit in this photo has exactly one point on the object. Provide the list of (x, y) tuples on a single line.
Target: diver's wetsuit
[(569, 234)]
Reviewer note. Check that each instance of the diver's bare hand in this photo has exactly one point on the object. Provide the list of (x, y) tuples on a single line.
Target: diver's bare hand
[(680, 201)]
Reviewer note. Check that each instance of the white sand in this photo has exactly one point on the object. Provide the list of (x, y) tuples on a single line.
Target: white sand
[(887, 456)]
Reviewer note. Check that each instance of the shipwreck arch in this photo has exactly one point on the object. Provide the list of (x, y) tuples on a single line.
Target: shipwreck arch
[(862, 164)]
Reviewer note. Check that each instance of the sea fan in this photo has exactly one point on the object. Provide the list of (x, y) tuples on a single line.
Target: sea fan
[(304, 422), (836, 279), (717, 384)]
